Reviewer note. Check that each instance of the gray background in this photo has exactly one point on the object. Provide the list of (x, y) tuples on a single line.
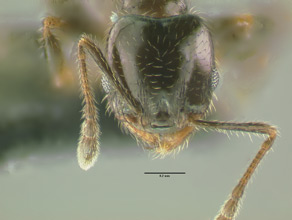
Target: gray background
[(39, 126)]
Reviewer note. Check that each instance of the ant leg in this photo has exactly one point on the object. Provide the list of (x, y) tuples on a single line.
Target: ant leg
[(88, 146), (231, 206), (53, 51)]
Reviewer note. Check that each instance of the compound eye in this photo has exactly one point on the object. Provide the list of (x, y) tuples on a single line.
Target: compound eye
[(105, 84), (215, 79)]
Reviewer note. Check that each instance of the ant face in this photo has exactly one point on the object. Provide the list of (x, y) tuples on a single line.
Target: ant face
[(166, 65), (159, 74)]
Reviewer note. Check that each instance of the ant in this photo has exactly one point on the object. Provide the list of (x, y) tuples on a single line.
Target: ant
[(159, 74)]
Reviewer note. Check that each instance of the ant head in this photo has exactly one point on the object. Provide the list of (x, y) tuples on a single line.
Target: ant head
[(167, 66)]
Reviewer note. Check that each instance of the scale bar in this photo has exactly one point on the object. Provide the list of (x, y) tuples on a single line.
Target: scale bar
[(164, 172)]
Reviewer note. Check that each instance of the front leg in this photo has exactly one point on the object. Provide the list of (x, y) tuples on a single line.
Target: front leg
[(88, 146), (231, 206)]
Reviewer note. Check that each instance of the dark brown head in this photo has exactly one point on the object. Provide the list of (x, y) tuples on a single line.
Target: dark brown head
[(166, 65)]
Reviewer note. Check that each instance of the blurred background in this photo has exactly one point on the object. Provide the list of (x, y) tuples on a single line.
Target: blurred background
[(39, 127)]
